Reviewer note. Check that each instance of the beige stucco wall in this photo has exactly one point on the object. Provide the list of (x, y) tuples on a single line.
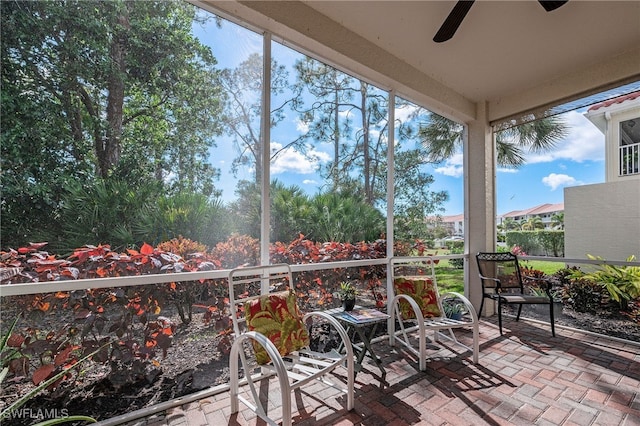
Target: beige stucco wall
[(603, 220)]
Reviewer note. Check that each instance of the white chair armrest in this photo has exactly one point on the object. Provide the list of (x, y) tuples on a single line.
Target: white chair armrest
[(464, 300)]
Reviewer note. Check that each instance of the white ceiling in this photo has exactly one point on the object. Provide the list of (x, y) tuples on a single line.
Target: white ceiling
[(513, 55)]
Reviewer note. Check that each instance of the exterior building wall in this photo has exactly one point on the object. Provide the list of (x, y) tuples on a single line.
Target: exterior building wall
[(603, 220)]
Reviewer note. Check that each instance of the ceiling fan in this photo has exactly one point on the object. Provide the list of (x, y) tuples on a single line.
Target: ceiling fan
[(459, 11)]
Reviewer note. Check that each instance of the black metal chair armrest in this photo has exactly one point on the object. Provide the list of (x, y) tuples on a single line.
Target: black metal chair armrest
[(496, 280)]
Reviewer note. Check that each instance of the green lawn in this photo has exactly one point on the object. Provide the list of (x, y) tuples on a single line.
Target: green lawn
[(449, 279), (544, 266)]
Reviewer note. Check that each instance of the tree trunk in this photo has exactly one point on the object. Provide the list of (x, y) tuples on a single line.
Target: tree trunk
[(336, 138), (368, 193), (108, 149)]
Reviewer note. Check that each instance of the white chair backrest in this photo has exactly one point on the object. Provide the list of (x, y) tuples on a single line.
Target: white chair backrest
[(409, 266), (250, 283)]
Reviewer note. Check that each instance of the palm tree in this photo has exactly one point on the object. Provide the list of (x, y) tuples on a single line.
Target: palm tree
[(557, 221), (442, 137), (533, 223), (509, 224)]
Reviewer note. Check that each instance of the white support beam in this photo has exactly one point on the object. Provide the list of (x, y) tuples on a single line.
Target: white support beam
[(480, 206)]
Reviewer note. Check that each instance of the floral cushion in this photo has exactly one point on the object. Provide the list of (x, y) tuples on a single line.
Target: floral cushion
[(423, 291), (277, 317)]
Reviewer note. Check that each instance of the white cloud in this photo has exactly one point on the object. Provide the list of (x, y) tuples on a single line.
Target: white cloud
[(291, 160), (507, 170), (584, 142), (402, 113), (452, 167), (309, 182), (302, 126), (555, 181), (345, 113)]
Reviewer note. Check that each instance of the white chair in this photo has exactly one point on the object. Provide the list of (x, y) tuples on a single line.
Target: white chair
[(269, 318), (415, 305)]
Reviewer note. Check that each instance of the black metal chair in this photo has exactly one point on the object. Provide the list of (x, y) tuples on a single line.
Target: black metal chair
[(503, 281)]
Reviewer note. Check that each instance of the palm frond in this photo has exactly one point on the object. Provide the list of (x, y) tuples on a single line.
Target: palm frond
[(440, 138), (539, 135), (509, 154)]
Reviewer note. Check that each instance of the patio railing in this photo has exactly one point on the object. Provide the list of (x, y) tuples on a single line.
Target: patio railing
[(630, 159)]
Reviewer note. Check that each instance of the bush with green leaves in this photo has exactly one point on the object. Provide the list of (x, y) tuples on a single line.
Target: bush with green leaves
[(552, 242), (112, 211), (104, 211), (339, 217), (456, 247), (193, 216), (540, 241), (526, 240), (621, 282)]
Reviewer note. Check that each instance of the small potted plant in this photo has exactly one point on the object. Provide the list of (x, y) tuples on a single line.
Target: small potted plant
[(453, 310), (347, 293)]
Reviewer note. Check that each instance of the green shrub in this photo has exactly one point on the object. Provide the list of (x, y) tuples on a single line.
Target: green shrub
[(540, 241), (193, 216), (526, 240), (103, 212), (339, 217), (621, 282), (456, 247), (552, 242)]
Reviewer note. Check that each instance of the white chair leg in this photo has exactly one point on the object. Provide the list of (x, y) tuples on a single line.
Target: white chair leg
[(234, 381), (476, 344)]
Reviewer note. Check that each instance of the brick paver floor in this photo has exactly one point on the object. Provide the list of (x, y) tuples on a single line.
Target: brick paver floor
[(525, 377)]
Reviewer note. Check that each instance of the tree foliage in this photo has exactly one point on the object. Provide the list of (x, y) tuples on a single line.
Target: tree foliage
[(110, 110), (326, 216), (413, 206), (351, 115), (243, 107), (441, 138), (94, 90)]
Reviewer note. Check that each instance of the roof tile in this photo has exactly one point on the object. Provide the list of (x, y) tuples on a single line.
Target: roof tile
[(618, 100)]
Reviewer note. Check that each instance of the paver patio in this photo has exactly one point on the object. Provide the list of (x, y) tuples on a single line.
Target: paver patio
[(524, 377)]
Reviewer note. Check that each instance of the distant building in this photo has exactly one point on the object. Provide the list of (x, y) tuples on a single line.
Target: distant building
[(545, 212), (590, 209), (454, 224)]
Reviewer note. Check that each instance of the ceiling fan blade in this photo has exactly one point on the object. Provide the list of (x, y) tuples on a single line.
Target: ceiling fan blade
[(453, 21), (551, 5)]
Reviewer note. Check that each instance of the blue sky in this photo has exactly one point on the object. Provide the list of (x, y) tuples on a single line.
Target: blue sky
[(577, 160)]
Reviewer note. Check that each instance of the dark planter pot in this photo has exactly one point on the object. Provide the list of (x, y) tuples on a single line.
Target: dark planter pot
[(348, 304)]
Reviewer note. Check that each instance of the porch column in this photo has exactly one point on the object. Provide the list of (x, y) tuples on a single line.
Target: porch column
[(480, 204)]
